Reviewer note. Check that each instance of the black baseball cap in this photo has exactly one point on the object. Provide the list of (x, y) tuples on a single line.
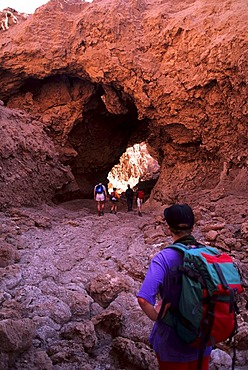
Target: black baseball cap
[(179, 216)]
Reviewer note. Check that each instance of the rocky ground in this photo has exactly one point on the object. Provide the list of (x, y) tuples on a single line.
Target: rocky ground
[(69, 280)]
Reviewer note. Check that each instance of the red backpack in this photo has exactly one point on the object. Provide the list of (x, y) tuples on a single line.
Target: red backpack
[(141, 194)]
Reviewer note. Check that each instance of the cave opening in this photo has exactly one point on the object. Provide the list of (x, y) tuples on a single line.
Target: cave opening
[(110, 148), (94, 125)]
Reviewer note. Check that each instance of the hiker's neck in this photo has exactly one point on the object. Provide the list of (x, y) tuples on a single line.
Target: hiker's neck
[(177, 237)]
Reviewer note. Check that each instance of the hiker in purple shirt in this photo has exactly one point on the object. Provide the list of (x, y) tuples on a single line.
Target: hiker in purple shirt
[(163, 278)]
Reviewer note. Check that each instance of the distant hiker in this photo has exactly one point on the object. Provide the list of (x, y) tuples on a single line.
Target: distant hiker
[(129, 196), (100, 195), (114, 197), (172, 353), (140, 196)]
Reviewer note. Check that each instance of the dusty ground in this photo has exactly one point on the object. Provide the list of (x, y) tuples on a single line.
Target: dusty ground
[(78, 275)]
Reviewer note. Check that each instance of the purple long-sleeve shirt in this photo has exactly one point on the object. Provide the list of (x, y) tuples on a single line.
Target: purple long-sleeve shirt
[(162, 277)]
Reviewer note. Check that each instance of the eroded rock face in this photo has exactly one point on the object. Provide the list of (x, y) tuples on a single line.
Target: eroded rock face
[(30, 168), (114, 67)]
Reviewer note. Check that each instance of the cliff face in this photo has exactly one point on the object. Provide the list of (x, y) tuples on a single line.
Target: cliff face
[(105, 75), (30, 171)]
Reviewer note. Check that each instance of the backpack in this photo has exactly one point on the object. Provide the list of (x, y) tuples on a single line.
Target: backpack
[(141, 194), (113, 196), (207, 309), (99, 189)]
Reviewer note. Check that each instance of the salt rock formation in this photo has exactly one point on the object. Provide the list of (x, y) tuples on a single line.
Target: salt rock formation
[(135, 164), (10, 17), (105, 75)]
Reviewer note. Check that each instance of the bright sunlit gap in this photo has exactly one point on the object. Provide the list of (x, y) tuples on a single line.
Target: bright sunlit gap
[(136, 165)]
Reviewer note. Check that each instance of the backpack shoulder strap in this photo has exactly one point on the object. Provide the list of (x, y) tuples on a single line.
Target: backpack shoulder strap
[(180, 247), (196, 247)]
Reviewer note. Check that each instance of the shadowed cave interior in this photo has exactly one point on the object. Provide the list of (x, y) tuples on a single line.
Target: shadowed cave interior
[(101, 138), (96, 138)]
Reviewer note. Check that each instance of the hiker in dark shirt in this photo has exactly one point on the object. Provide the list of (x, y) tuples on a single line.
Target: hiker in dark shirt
[(129, 196), (172, 353)]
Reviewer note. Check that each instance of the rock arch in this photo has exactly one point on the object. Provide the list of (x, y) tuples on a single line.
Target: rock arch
[(91, 125)]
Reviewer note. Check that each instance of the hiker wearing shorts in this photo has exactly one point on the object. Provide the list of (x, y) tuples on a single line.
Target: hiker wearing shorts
[(140, 196), (165, 279), (114, 197), (100, 195)]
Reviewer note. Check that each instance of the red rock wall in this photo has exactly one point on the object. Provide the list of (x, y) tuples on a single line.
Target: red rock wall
[(182, 65), (30, 172)]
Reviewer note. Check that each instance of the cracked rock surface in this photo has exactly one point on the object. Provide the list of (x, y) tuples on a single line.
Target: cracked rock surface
[(68, 299)]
